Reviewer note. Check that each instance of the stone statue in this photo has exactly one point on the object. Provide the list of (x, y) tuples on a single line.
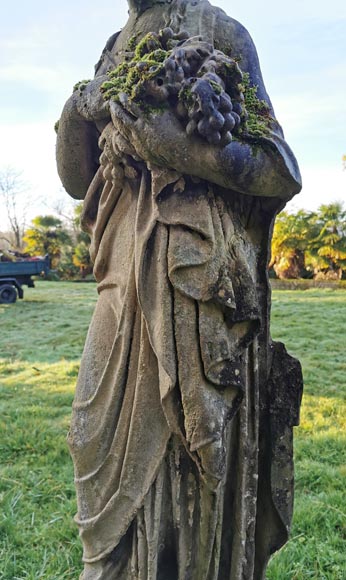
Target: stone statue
[(181, 431)]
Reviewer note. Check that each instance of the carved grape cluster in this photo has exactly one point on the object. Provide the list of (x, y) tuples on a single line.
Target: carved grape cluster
[(207, 84), (200, 84), (210, 114)]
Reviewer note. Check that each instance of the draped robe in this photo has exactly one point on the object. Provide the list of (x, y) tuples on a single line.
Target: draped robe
[(181, 432)]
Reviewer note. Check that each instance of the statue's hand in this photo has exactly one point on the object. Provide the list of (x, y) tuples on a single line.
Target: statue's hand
[(158, 138), (89, 102), (161, 140)]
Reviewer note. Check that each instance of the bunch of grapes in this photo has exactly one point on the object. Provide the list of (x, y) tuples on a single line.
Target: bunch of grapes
[(210, 111), (207, 85), (199, 83)]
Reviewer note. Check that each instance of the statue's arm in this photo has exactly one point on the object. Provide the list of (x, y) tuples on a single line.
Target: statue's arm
[(264, 166), (77, 149), (269, 169), (274, 154)]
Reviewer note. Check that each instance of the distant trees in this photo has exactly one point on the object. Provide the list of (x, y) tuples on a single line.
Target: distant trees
[(79, 252), (306, 244), (290, 243), (81, 258), (59, 235), (328, 248), (310, 244), (11, 194), (64, 241), (47, 235)]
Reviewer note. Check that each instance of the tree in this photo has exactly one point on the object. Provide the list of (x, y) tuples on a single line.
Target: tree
[(11, 190), (81, 254), (291, 238), (81, 258), (47, 236), (310, 242), (63, 240), (327, 249)]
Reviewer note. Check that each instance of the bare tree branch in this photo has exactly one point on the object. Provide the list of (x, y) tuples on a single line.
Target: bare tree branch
[(12, 187), (65, 209)]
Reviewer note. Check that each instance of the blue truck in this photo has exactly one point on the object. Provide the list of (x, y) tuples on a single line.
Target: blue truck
[(14, 275)]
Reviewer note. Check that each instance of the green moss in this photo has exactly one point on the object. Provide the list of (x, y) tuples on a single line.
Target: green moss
[(217, 88), (131, 77), (259, 118), (158, 56), (186, 96), (223, 47), (152, 109), (56, 126), (132, 42), (149, 43), (120, 71), (80, 86)]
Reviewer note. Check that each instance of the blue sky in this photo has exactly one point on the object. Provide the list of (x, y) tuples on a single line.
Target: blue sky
[(45, 47)]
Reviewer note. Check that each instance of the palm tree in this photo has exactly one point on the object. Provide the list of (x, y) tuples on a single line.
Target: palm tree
[(46, 236), (291, 237), (327, 252)]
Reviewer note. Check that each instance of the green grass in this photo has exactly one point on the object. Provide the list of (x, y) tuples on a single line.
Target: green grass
[(313, 326), (50, 324), (41, 342), (40, 346)]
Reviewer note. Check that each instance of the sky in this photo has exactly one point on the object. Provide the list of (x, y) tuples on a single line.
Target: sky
[(46, 47)]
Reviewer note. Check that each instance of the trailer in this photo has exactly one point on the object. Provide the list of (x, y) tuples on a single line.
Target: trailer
[(14, 275)]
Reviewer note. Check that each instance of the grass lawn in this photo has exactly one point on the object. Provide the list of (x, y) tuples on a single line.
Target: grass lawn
[(41, 341)]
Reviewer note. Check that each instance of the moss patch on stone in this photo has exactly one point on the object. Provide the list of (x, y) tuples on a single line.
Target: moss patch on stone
[(132, 43), (81, 85), (259, 119), (186, 96), (131, 77), (149, 43), (138, 76)]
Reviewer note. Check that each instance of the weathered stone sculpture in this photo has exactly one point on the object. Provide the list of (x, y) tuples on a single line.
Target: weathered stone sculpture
[(182, 422)]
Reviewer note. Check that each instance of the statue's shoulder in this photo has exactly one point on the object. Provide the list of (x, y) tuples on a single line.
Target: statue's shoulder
[(100, 66), (232, 38), (230, 35)]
